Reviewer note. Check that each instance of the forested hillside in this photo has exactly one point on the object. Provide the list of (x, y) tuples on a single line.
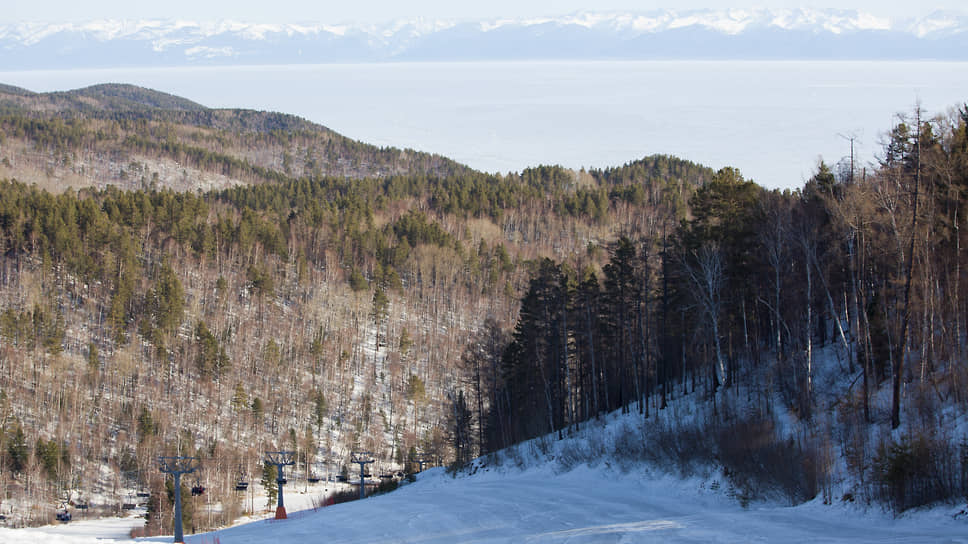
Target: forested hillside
[(821, 333), (219, 283), (134, 138), (177, 280)]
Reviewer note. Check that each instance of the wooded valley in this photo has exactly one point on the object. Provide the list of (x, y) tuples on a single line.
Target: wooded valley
[(176, 280)]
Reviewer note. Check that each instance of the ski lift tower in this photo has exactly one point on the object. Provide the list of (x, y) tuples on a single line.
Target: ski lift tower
[(176, 466), (362, 458), (280, 459), (422, 459)]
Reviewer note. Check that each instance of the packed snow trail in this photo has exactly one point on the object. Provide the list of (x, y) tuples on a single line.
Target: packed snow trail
[(584, 505), (538, 505), (94, 531)]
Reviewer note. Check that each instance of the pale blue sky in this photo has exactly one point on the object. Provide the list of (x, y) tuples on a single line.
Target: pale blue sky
[(378, 11)]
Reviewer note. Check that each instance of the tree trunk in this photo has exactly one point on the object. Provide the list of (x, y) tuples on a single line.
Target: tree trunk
[(909, 272), (591, 356)]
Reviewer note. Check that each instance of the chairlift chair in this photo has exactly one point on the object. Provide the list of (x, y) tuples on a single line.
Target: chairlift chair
[(242, 484), (198, 489), (63, 514)]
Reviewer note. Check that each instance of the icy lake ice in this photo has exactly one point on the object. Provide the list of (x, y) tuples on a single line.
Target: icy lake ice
[(771, 119)]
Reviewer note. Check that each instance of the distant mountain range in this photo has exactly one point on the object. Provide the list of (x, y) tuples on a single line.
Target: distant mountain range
[(706, 34)]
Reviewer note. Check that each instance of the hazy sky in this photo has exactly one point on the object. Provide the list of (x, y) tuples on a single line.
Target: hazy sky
[(376, 11)]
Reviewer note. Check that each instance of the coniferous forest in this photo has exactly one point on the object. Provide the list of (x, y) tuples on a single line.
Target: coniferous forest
[(176, 280)]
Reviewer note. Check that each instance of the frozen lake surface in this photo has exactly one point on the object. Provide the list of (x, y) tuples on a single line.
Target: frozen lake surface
[(772, 120)]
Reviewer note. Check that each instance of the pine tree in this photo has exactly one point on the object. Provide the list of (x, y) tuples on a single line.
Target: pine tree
[(18, 453), (461, 430), (269, 483)]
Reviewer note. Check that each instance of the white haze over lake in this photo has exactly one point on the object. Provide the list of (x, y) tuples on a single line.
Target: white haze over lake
[(772, 120)]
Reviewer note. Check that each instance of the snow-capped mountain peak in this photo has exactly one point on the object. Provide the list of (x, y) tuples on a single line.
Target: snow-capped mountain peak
[(722, 33)]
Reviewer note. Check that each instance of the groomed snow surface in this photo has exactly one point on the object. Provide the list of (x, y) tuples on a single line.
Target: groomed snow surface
[(521, 499)]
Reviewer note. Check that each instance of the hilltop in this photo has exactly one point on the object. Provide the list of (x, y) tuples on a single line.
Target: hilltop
[(114, 134)]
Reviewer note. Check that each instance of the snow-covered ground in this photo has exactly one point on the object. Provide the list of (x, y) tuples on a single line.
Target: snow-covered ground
[(77, 532), (545, 504), (583, 505), (584, 488)]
